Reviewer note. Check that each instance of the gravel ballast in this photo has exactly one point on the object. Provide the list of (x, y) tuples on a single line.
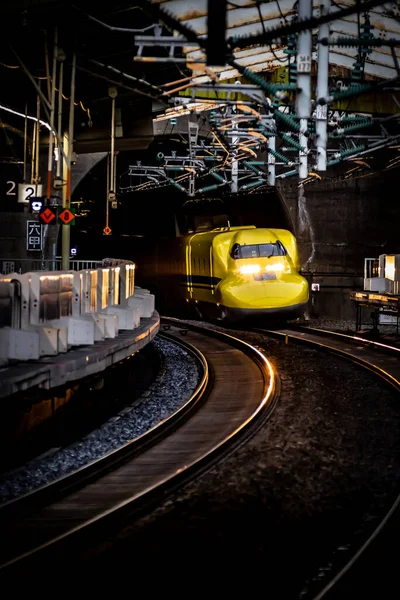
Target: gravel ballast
[(174, 386)]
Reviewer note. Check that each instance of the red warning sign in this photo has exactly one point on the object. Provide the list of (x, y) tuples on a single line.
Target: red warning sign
[(66, 216), (107, 230), (47, 215)]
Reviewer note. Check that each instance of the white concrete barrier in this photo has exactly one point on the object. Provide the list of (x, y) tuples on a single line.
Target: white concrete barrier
[(58, 310), (16, 344)]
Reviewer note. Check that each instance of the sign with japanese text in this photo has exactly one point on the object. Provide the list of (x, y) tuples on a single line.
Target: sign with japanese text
[(34, 236)]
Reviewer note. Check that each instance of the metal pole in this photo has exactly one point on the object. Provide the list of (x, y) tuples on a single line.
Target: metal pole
[(303, 141), (59, 126), (322, 88), (65, 241), (304, 48), (25, 138), (235, 164), (68, 144), (303, 96), (112, 140), (108, 187), (34, 134), (71, 129), (37, 144), (115, 172), (271, 161), (53, 92)]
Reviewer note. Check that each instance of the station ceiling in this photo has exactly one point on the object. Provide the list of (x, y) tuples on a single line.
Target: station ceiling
[(157, 80)]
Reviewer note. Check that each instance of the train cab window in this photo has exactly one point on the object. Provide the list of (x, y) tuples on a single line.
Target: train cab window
[(268, 250), (258, 250)]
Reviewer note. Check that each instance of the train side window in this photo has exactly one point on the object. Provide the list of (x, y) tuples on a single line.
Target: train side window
[(282, 247), (235, 252)]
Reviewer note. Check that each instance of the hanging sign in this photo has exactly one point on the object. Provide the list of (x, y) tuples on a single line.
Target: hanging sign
[(107, 230), (67, 217), (35, 205), (48, 215), (26, 191), (34, 236)]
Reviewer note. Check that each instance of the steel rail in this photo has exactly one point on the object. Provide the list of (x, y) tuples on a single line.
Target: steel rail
[(234, 409), (367, 354)]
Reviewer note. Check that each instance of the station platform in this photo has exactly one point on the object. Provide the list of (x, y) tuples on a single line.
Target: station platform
[(380, 304), (78, 362)]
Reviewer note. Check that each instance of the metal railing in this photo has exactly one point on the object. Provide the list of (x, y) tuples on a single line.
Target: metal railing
[(26, 265)]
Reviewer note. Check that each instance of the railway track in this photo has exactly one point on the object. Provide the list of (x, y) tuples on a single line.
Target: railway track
[(381, 358), (55, 523), (350, 578)]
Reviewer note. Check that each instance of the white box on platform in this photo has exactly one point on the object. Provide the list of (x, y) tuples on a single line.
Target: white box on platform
[(111, 322), (16, 344), (80, 330), (127, 317), (144, 301), (99, 326), (52, 340)]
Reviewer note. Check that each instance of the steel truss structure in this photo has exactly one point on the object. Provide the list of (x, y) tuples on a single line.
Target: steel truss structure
[(264, 83)]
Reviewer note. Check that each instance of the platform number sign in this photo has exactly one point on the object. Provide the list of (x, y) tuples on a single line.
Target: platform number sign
[(34, 236), (27, 191)]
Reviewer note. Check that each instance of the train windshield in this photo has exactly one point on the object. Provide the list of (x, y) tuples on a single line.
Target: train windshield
[(258, 250)]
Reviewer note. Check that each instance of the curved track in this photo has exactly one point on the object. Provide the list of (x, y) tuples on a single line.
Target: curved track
[(41, 528), (383, 359)]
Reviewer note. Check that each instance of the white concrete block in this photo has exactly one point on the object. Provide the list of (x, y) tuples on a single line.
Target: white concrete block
[(111, 323), (80, 330), (144, 301), (99, 326), (62, 339), (127, 317), (48, 340), (16, 344)]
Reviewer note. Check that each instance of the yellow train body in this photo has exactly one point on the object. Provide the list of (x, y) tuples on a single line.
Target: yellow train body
[(234, 272)]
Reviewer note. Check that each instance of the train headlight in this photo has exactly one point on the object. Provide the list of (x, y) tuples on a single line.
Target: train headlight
[(277, 268), (249, 269)]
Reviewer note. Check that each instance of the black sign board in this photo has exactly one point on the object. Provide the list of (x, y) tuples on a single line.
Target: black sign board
[(34, 235), (36, 204)]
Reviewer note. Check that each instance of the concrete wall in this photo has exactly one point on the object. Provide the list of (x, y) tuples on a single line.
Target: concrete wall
[(338, 223)]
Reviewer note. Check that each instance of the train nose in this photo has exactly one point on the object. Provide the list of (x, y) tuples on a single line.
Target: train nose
[(273, 294)]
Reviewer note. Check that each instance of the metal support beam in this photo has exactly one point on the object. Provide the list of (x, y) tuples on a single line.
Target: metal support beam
[(59, 123), (235, 165), (216, 31), (322, 89), (71, 130), (304, 48), (271, 161), (67, 146), (303, 141), (52, 103), (65, 229)]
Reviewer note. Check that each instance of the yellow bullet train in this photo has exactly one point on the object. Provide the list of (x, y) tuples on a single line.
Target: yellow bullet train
[(227, 273)]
